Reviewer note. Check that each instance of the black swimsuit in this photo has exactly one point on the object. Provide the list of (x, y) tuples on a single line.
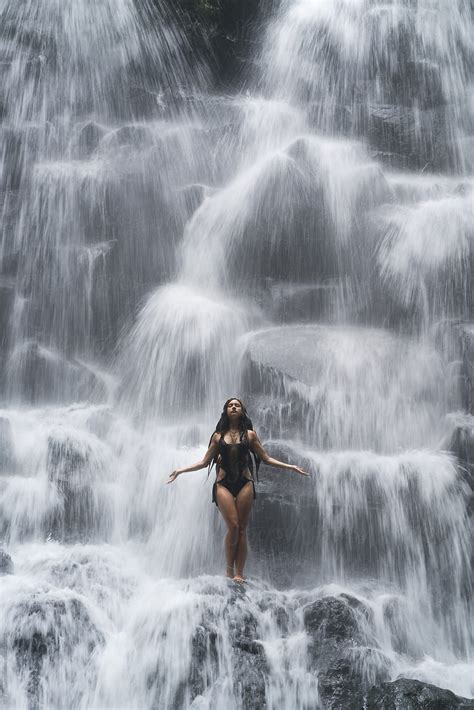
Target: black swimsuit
[(234, 459)]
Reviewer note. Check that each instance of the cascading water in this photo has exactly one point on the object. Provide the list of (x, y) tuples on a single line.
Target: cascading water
[(307, 245)]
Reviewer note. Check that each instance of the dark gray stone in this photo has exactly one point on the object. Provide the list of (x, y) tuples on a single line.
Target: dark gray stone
[(406, 138), (6, 563), (406, 694), (249, 662), (332, 618), (340, 686), (248, 659), (345, 666)]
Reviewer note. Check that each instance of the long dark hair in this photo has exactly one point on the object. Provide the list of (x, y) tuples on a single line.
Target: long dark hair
[(245, 423)]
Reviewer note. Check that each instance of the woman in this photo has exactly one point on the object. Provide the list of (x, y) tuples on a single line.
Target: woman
[(234, 489)]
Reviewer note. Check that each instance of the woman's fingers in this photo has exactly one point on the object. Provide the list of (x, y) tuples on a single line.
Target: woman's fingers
[(173, 477), (300, 470)]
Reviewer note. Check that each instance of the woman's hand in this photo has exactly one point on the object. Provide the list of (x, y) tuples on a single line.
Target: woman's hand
[(300, 470), (173, 477)]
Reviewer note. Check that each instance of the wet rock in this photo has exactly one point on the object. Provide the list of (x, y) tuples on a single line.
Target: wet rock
[(44, 628), (204, 658), (395, 617), (7, 453), (340, 686), (232, 30), (89, 137), (345, 667), (250, 672), (405, 694), (346, 673), (301, 302), (409, 138), (249, 662), (462, 445), (331, 618), (75, 467), (40, 374), (417, 83), (249, 665), (6, 563)]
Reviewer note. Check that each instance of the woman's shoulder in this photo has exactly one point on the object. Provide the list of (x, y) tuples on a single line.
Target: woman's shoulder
[(251, 435)]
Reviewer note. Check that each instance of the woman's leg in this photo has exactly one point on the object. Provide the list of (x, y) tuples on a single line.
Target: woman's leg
[(243, 504), (228, 509)]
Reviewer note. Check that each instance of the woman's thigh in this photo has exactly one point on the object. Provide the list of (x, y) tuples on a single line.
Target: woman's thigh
[(243, 503), (227, 506)]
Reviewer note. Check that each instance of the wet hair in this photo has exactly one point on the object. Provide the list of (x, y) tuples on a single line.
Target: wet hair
[(245, 423)]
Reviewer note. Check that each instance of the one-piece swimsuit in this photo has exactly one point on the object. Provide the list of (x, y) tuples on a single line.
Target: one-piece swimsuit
[(234, 459)]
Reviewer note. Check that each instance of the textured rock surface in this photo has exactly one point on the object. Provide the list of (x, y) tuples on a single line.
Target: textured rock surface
[(405, 694), (396, 134), (46, 627), (232, 30), (340, 629), (6, 563)]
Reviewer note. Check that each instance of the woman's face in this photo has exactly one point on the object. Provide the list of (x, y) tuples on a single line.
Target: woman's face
[(234, 408)]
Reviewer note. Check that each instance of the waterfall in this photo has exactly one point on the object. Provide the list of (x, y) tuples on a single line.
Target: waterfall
[(306, 243)]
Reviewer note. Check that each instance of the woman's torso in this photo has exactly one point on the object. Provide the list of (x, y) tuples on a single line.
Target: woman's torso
[(233, 459)]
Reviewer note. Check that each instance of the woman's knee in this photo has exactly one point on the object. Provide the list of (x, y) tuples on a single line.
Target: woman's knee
[(233, 528)]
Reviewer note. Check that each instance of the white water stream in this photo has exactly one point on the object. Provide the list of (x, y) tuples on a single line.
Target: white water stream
[(163, 249)]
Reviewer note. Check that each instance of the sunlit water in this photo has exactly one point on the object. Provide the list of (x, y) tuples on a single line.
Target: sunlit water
[(161, 250)]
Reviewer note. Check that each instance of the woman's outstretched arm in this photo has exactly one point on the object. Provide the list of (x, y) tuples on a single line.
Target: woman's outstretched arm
[(206, 460), (258, 449)]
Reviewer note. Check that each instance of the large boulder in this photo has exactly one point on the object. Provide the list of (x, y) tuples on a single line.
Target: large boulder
[(340, 629), (331, 618), (406, 694), (227, 626)]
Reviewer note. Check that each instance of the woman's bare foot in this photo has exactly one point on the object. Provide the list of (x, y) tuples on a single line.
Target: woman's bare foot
[(238, 578), (229, 572)]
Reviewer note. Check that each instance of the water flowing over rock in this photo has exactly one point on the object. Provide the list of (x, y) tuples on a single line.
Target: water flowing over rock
[(256, 199), (6, 563), (413, 695)]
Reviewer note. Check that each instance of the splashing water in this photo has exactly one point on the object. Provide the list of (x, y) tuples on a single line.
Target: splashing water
[(160, 249)]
